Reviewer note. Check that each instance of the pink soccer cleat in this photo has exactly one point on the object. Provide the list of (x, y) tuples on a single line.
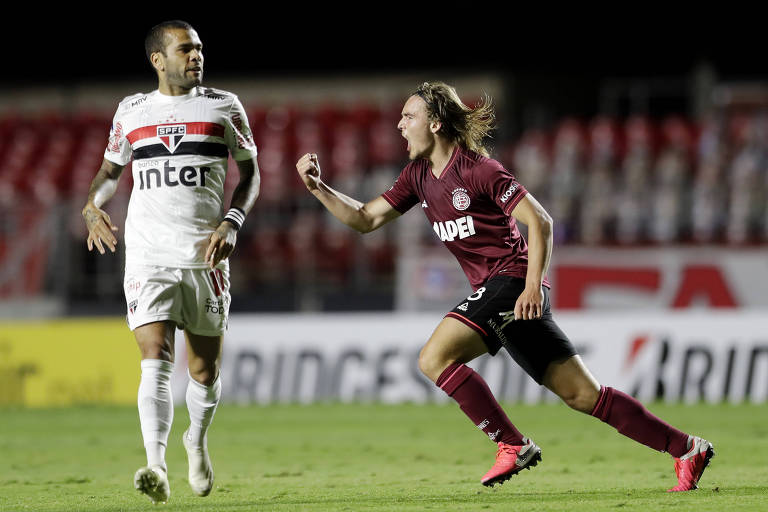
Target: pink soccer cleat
[(510, 460), (691, 466)]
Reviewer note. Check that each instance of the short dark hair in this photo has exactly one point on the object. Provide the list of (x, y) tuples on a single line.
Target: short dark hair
[(155, 40)]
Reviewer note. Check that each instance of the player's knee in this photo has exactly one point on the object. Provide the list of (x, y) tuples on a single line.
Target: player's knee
[(156, 351), (581, 399), (429, 364), (205, 375)]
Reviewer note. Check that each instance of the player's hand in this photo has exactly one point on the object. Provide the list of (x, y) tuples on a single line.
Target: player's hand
[(221, 244), (100, 228), (529, 304), (309, 170)]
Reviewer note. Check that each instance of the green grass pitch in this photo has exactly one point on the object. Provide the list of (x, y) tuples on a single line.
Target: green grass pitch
[(349, 457)]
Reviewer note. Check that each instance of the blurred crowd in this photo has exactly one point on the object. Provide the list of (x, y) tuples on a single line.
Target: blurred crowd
[(643, 181), (605, 181)]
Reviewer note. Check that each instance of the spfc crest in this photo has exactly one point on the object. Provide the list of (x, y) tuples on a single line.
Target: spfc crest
[(132, 306), (171, 135)]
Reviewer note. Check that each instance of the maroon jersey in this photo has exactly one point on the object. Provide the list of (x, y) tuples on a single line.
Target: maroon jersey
[(469, 207)]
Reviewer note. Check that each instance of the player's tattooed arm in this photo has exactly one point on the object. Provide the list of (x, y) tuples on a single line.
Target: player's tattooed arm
[(98, 222), (222, 242), (247, 190)]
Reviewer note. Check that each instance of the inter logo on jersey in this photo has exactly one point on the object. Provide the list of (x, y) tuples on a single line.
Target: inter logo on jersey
[(171, 135)]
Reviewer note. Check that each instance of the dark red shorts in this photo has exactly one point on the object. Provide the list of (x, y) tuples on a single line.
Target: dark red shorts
[(533, 344)]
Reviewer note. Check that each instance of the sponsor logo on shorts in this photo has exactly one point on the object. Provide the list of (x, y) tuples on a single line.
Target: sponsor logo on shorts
[(507, 316), (132, 306), (215, 307), (463, 307), (498, 330), (132, 286)]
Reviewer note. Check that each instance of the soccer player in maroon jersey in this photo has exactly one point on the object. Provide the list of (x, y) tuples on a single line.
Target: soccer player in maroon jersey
[(473, 204)]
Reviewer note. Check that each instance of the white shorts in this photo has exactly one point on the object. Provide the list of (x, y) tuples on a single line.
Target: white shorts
[(196, 299)]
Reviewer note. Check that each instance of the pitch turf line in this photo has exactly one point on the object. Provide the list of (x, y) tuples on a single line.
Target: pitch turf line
[(377, 458)]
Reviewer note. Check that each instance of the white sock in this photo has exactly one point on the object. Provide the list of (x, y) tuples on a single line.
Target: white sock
[(155, 408), (201, 403)]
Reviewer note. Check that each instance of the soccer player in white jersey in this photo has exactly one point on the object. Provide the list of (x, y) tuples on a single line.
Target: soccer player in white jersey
[(178, 237)]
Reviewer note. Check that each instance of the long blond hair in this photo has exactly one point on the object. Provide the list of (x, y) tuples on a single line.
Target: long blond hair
[(468, 127)]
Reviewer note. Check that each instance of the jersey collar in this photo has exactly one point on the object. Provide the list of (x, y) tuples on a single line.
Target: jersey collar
[(163, 98), (448, 165)]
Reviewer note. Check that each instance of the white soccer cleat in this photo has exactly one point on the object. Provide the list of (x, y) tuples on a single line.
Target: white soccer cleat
[(153, 481), (200, 469)]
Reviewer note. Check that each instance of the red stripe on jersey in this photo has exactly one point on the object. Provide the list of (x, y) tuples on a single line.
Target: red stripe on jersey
[(467, 321), (197, 128)]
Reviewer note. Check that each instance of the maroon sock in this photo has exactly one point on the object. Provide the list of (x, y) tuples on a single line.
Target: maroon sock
[(632, 419), (474, 397)]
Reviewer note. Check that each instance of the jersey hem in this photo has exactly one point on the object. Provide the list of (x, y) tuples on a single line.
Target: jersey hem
[(116, 161), (391, 202), (185, 266)]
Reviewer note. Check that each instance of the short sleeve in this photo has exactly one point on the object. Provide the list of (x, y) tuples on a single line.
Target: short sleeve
[(118, 147), (238, 133), (500, 185), (402, 196)]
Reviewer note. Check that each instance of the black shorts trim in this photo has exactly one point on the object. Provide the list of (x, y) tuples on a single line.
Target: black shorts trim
[(533, 344)]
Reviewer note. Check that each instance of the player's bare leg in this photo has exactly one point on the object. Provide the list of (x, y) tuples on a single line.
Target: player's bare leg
[(155, 341), (575, 385), (442, 360), (203, 394)]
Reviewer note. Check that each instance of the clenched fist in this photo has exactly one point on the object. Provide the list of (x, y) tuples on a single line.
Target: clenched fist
[(309, 170)]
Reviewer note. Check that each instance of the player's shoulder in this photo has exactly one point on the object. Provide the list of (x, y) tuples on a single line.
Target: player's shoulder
[(476, 163), (214, 94), (415, 167), (133, 101)]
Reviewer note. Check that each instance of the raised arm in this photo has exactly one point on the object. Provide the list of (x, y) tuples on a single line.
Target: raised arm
[(362, 217), (222, 242), (530, 212), (97, 221)]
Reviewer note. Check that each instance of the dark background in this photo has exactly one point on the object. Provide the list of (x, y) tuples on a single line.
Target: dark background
[(105, 43), (557, 61)]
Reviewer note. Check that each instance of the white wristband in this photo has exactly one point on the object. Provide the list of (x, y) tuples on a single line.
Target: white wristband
[(236, 216)]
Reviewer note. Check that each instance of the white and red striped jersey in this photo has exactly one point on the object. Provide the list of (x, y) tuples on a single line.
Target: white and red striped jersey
[(179, 146)]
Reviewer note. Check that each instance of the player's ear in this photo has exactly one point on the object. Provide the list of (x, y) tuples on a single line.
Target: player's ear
[(158, 61), (434, 126)]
